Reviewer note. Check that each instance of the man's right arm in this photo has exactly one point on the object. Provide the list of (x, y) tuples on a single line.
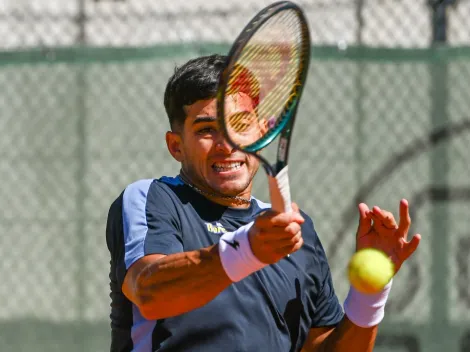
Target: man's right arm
[(146, 244), (167, 285)]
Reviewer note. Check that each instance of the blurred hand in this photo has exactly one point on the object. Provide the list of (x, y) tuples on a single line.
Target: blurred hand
[(378, 229), (275, 235)]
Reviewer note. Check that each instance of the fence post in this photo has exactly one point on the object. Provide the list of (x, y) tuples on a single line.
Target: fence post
[(440, 334), (360, 94), (81, 337)]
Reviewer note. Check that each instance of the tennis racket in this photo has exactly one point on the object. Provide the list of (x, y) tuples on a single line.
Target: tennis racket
[(268, 62)]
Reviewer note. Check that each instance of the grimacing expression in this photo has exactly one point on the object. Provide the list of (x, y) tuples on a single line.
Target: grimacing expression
[(207, 158)]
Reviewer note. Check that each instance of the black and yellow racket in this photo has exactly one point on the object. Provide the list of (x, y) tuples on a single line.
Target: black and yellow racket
[(268, 62)]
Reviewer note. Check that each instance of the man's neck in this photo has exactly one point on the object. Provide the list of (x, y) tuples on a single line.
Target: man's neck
[(227, 201)]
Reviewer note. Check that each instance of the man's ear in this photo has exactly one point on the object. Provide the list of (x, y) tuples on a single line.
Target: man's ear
[(174, 144)]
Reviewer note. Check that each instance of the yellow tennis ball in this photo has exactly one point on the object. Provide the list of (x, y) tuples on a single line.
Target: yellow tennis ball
[(370, 270)]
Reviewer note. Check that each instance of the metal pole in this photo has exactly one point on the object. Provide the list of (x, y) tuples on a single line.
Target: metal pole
[(360, 93), (82, 159), (81, 22), (439, 20), (360, 21), (440, 336)]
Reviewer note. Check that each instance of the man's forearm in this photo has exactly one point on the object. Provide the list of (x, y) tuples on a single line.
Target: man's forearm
[(180, 282), (346, 337)]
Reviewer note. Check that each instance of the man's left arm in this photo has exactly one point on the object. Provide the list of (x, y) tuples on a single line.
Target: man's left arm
[(354, 330), (357, 330), (346, 336)]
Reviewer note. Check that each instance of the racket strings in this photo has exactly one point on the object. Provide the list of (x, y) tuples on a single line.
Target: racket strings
[(268, 71)]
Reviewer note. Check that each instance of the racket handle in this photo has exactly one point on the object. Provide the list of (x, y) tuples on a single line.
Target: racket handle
[(279, 191)]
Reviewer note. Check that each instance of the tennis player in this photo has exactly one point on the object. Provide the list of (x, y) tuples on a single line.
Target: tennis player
[(199, 264)]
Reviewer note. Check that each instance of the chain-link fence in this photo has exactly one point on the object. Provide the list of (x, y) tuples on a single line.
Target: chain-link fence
[(390, 23), (80, 123)]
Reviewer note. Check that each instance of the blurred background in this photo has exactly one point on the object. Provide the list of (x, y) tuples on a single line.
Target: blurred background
[(386, 115)]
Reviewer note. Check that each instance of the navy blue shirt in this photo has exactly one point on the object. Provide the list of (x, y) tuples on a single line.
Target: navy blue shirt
[(270, 310)]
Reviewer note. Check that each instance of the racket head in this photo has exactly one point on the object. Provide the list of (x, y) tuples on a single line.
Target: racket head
[(268, 62)]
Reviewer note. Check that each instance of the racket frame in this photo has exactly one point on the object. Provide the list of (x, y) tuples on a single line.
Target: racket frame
[(277, 173), (285, 124)]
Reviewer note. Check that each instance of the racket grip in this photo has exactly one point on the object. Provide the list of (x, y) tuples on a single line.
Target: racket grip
[(279, 191)]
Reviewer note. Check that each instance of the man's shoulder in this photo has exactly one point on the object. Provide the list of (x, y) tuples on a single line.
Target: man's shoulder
[(152, 186), (142, 185), (136, 188)]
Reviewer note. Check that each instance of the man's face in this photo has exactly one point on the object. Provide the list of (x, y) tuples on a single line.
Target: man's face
[(207, 158)]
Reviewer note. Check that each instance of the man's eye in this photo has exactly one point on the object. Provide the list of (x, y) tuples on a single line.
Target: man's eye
[(206, 130)]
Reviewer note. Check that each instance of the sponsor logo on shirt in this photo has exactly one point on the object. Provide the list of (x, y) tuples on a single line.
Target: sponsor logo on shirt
[(217, 228)]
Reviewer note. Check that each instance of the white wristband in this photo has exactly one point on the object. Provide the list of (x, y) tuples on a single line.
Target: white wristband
[(366, 310), (236, 255)]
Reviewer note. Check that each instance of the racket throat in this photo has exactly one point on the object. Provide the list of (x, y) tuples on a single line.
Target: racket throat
[(269, 169)]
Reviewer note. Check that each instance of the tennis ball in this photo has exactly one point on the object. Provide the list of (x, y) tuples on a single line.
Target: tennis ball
[(370, 270)]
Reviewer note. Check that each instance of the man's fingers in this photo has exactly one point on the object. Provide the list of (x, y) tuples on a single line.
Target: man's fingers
[(295, 207), (291, 247), (279, 233), (365, 222), (385, 217), (405, 219), (282, 247), (289, 242), (271, 219), (411, 246), (380, 227)]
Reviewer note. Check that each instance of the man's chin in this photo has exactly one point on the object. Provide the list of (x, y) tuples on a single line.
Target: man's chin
[(231, 188)]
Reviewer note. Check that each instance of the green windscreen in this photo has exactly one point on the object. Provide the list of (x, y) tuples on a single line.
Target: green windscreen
[(376, 125)]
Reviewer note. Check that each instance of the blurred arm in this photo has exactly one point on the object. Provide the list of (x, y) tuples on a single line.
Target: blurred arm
[(346, 337)]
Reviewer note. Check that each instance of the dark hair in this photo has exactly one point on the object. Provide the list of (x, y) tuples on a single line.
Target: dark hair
[(195, 80)]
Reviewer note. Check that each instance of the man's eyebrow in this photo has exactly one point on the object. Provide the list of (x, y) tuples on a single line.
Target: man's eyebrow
[(202, 119)]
